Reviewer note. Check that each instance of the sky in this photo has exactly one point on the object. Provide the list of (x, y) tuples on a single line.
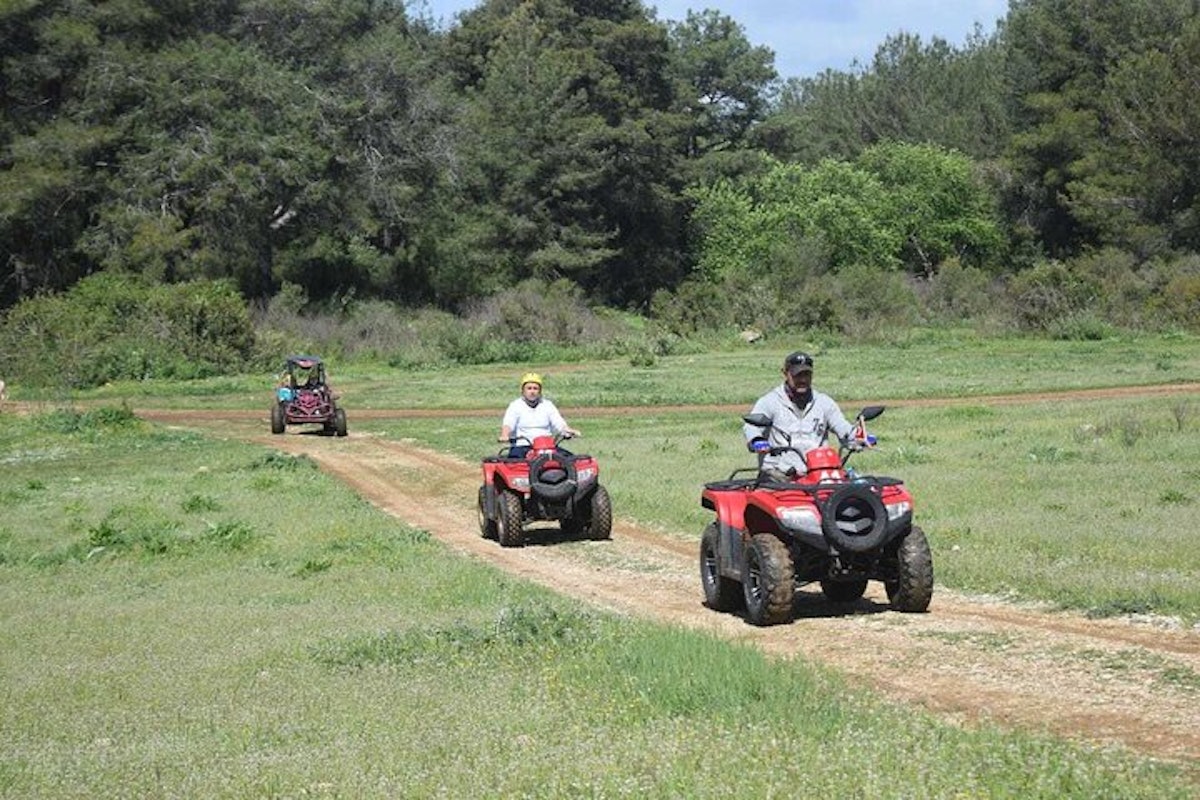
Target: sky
[(809, 36)]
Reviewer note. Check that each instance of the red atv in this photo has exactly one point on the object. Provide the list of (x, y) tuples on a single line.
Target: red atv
[(827, 524), (547, 483), (304, 397)]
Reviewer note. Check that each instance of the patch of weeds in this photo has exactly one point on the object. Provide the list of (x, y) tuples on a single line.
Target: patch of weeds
[(1182, 412), (668, 446), (70, 421), (35, 485), (910, 456), (969, 412), (1128, 430), (1123, 606), (991, 433), (523, 629), (1049, 454), (1174, 497), (283, 462), (313, 566), (198, 503), (229, 536), (708, 447), (114, 536), (1180, 678), (1055, 506), (989, 642)]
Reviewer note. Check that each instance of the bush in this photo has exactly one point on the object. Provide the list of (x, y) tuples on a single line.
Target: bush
[(112, 327), (1051, 291)]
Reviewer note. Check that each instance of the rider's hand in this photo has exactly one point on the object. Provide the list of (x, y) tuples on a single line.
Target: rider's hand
[(759, 445), (855, 445)]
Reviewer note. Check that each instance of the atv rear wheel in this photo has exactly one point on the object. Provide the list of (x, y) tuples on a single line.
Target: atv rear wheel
[(339, 422), (912, 588), (720, 593), (277, 420), (487, 525), (509, 519), (844, 591), (599, 522), (768, 581)]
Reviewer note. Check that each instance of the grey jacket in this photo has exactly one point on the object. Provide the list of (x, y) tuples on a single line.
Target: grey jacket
[(808, 427)]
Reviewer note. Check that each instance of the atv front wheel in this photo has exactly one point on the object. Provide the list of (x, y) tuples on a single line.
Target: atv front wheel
[(768, 581), (487, 525), (720, 593), (508, 522), (912, 589), (844, 591), (277, 420)]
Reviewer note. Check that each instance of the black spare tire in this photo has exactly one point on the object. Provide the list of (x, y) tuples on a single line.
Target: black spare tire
[(854, 519)]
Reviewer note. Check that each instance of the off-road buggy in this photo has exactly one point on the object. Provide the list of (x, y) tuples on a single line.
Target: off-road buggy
[(546, 483), (303, 397), (827, 525)]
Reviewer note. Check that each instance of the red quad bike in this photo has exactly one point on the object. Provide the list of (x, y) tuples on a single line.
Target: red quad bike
[(546, 484), (828, 525), (310, 402)]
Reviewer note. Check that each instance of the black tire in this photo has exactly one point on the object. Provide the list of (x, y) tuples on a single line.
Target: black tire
[(912, 589), (844, 591), (509, 520), (768, 581), (720, 593), (599, 521), (339, 422), (853, 519), (277, 420), (487, 525)]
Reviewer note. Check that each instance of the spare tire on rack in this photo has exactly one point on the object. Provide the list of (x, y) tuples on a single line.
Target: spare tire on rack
[(854, 519)]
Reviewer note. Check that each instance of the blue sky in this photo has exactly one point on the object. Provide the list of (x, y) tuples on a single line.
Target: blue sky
[(811, 35)]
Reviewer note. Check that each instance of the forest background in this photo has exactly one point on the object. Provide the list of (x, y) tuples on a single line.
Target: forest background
[(194, 186)]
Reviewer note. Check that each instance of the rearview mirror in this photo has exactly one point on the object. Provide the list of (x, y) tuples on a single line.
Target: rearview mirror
[(871, 412)]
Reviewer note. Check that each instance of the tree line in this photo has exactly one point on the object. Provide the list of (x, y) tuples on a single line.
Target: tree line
[(354, 149)]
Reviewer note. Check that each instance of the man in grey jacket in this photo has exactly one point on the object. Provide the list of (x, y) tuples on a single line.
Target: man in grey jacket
[(801, 417)]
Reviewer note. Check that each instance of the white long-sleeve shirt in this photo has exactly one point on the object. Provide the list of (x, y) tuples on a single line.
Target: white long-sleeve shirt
[(808, 427), (527, 423)]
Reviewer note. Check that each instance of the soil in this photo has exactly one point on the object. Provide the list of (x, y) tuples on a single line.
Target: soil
[(1129, 683)]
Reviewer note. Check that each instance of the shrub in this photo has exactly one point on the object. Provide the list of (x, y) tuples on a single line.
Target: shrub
[(111, 326)]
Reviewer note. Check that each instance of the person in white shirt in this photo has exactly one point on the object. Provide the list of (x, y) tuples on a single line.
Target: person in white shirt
[(529, 416)]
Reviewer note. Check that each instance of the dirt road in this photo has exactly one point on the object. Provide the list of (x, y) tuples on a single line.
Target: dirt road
[(1110, 682)]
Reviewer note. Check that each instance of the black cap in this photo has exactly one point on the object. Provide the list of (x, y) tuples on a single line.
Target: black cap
[(798, 362)]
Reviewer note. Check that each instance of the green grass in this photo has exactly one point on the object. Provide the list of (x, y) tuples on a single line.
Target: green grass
[(922, 364), (190, 617), (1057, 502)]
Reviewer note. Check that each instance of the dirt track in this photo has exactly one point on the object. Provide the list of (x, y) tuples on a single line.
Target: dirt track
[(1110, 682)]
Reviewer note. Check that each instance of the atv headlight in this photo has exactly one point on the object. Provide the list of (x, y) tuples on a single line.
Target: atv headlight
[(801, 518), (898, 510), (520, 483), (586, 474)]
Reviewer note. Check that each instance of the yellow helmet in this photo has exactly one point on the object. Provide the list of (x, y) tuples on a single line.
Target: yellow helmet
[(531, 377)]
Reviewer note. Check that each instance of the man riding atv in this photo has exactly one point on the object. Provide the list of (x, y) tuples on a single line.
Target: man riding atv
[(801, 418), (531, 415)]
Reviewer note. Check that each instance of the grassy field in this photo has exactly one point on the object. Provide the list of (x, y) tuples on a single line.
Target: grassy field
[(1089, 504), (932, 365), (193, 617)]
